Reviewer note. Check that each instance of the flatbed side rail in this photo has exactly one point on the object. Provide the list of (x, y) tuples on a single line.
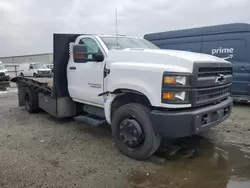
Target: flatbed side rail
[(33, 84)]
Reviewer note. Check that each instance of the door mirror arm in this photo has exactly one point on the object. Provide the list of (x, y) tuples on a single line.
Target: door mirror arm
[(98, 57)]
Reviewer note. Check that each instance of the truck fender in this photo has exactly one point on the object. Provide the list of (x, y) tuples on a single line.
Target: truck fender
[(108, 99)]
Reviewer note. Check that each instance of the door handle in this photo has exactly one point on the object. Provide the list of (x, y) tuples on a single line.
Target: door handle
[(72, 68)]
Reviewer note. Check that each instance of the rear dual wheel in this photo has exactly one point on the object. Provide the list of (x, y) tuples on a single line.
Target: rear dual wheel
[(133, 132), (31, 101)]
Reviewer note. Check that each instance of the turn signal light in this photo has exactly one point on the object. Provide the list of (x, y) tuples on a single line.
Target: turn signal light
[(169, 80), (168, 96)]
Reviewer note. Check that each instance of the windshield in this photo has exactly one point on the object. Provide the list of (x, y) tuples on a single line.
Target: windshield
[(40, 66), (2, 67), (127, 42)]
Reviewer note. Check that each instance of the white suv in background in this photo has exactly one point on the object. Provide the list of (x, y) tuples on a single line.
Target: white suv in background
[(4, 75), (34, 70)]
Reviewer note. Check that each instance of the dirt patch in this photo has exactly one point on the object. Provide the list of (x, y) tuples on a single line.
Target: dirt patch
[(37, 150)]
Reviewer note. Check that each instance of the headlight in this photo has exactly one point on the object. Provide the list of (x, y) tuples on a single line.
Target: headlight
[(176, 88), (175, 80), (182, 96), (6, 73)]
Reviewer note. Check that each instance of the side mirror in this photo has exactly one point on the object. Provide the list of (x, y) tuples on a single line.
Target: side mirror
[(98, 57), (80, 53), (31, 67)]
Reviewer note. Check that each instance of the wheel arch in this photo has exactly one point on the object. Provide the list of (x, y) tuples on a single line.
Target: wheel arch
[(120, 97)]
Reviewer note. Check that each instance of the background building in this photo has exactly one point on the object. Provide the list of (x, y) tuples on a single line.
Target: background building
[(43, 58), (12, 63)]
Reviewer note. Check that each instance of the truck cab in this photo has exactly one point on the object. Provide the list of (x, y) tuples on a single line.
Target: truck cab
[(144, 93), (103, 70)]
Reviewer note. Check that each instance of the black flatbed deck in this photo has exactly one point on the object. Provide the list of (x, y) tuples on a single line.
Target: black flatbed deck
[(40, 84)]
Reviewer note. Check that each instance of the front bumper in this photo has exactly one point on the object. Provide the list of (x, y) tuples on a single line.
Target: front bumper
[(4, 78), (44, 75), (187, 122), (4, 82)]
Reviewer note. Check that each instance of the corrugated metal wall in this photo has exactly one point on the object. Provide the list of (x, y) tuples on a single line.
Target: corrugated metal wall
[(43, 58)]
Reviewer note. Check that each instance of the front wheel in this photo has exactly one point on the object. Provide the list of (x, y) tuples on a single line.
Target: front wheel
[(133, 132)]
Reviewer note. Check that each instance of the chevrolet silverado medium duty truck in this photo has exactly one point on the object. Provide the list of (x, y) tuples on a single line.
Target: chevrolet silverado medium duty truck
[(144, 93)]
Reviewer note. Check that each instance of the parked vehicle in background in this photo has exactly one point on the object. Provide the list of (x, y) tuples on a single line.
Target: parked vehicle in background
[(34, 70), (50, 66), (230, 42), (143, 92), (4, 75)]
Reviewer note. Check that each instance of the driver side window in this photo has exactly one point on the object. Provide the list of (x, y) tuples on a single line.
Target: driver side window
[(91, 46)]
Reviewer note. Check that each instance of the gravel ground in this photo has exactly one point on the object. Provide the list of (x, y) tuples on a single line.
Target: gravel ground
[(37, 150)]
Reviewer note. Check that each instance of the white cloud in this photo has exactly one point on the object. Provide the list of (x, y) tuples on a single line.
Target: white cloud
[(27, 26)]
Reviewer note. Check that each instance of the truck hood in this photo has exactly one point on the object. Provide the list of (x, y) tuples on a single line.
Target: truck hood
[(191, 56), (165, 60)]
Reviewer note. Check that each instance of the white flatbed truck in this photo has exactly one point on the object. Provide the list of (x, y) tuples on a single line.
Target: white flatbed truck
[(142, 92)]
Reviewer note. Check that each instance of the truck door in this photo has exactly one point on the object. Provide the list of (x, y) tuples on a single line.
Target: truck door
[(231, 47), (84, 74)]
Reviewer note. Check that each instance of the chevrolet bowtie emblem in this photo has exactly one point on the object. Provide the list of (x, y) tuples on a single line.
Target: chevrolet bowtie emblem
[(220, 79)]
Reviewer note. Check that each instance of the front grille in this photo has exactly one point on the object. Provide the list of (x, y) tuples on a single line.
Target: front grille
[(212, 94), (45, 72), (2, 74), (209, 89), (214, 71)]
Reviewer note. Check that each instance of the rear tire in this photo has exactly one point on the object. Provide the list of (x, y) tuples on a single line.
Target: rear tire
[(139, 115), (31, 101)]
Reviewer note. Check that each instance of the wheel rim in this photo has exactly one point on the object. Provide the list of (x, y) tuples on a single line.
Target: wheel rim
[(131, 133)]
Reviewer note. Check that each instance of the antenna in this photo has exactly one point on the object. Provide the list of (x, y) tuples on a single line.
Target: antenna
[(116, 28)]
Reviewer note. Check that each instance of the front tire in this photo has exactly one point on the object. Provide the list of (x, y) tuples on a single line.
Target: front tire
[(133, 132)]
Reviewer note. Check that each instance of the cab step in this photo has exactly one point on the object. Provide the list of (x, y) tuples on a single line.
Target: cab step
[(90, 120)]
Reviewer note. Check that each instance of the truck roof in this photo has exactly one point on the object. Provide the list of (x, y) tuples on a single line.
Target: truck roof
[(217, 29), (115, 36)]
